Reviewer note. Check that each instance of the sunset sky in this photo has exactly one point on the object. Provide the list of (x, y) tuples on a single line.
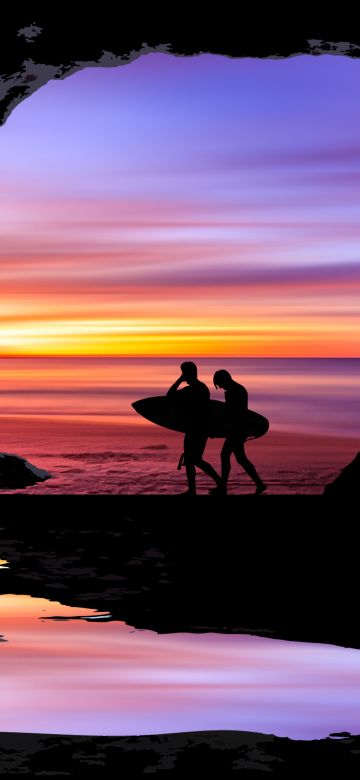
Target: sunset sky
[(200, 206)]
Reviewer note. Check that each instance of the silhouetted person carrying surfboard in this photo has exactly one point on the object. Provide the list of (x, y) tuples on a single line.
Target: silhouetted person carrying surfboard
[(194, 400), (236, 400)]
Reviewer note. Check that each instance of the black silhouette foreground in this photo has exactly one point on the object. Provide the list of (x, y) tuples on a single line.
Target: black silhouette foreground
[(208, 753), (194, 400), (347, 484), (236, 401), (169, 570), (17, 473)]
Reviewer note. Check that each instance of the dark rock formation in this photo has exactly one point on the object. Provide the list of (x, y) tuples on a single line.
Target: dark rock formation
[(250, 566), (15, 472), (205, 753), (36, 46), (347, 484)]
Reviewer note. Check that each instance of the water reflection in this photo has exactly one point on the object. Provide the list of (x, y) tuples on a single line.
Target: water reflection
[(92, 677)]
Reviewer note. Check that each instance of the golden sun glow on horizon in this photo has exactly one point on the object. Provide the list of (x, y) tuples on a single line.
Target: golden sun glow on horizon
[(171, 337), (154, 225)]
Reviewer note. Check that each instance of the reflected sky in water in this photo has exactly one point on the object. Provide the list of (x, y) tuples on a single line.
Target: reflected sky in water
[(89, 677)]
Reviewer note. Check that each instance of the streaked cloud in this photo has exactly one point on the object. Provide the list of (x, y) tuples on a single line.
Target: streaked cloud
[(210, 200)]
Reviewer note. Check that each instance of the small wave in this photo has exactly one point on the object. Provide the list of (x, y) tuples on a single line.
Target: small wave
[(101, 456), (155, 447)]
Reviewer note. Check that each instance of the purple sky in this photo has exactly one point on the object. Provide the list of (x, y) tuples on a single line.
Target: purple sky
[(209, 199)]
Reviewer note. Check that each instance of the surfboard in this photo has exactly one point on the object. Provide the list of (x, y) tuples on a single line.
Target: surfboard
[(165, 412)]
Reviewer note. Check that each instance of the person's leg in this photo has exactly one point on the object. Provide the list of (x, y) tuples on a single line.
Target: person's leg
[(209, 470), (189, 463), (226, 460), (249, 467), (204, 465), (190, 473), (225, 469)]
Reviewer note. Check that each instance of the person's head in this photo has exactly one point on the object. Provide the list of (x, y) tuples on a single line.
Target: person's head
[(189, 371), (222, 379)]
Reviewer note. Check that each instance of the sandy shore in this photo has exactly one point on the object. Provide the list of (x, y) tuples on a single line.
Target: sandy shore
[(91, 458)]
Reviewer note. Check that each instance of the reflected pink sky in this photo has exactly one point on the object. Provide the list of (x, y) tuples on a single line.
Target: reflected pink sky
[(80, 677)]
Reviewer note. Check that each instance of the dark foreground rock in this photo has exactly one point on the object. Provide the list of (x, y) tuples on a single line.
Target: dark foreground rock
[(347, 484), (40, 45), (256, 566), (16, 472), (207, 753)]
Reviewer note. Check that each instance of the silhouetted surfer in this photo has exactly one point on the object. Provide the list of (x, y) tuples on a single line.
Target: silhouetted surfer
[(236, 400), (194, 401)]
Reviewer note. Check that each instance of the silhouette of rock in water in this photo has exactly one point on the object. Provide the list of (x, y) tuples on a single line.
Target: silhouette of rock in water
[(35, 50), (167, 570), (16, 472), (348, 481), (218, 753)]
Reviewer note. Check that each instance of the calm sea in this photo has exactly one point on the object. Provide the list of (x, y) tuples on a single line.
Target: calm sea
[(73, 416)]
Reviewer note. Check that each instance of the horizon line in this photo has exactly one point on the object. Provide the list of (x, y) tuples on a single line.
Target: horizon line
[(92, 356)]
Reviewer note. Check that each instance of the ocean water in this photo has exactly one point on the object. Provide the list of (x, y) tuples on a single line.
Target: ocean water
[(73, 417), (84, 676)]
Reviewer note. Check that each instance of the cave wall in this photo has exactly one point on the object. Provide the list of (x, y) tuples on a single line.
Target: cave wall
[(35, 47)]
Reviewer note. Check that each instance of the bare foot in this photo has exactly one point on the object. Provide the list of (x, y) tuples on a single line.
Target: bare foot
[(260, 488), (219, 490)]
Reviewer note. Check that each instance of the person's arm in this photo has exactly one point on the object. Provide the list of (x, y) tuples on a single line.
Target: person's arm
[(172, 390)]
